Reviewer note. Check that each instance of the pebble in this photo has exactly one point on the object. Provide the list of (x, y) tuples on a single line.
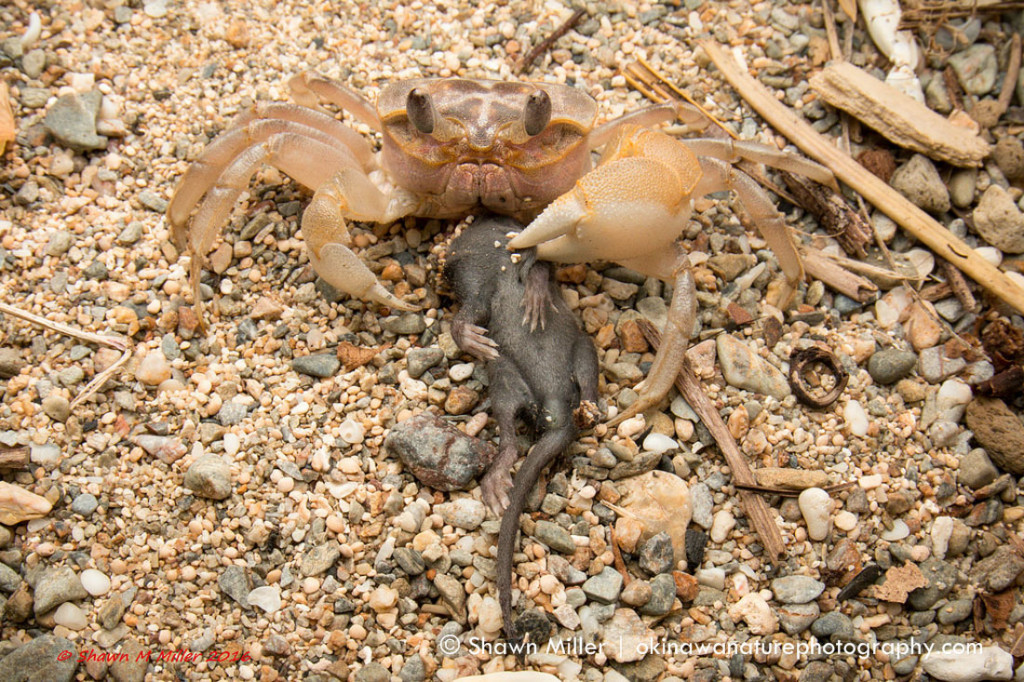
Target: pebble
[(941, 578), (1000, 431), (209, 476), (235, 583), (625, 637), (46, 657), (846, 521), (153, 369), (919, 181), (998, 570), (796, 618), (321, 365), (702, 504), (998, 220), (56, 586), (320, 559), (796, 589), (465, 513), (742, 368), (554, 536), (70, 616), (72, 121), (934, 367), (976, 68), (663, 595), (976, 469), (656, 555), (990, 663), (419, 360), (816, 507), (84, 504), (604, 587), (267, 598), (890, 365), (856, 418), (437, 453), (721, 526), (405, 325), (95, 582), (165, 448), (659, 443), (753, 610), (351, 431)]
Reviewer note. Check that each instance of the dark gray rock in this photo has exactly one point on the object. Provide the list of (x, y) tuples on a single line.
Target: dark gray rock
[(322, 365), (941, 578), (890, 365), (656, 555), (235, 583), (41, 659), (56, 586), (437, 453), (72, 121)]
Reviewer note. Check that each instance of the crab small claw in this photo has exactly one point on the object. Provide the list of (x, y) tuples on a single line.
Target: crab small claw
[(557, 220), (345, 271)]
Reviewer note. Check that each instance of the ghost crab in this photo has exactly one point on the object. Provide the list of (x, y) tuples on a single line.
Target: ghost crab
[(454, 146)]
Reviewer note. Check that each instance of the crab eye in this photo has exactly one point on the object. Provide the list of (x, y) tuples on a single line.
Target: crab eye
[(420, 110), (537, 113)]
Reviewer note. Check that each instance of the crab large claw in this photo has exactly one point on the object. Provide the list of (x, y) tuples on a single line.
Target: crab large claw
[(633, 206)]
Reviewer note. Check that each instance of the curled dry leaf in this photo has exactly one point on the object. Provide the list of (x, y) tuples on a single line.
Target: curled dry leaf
[(352, 356), (900, 581), (6, 118)]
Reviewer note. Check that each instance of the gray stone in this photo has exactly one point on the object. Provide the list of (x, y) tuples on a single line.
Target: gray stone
[(1000, 431), (59, 243), (998, 220), (976, 469), (231, 412), (153, 201), (744, 369), (833, 626), (919, 181), (605, 586), (320, 559), (663, 595), (322, 365), (209, 476), (57, 407), (373, 672), (131, 233), (72, 121), (413, 670), (998, 570), (235, 583), (656, 554), (34, 98), (33, 63), (941, 577), (419, 360), (85, 504), (934, 367), (409, 560), (11, 363), (976, 68), (132, 667), (404, 325), (46, 455), (437, 453), (54, 587), (962, 184), (555, 537), (796, 589), (42, 659), (796, 618), (890, 365), (702, 504), (955, 611), (9, 578)]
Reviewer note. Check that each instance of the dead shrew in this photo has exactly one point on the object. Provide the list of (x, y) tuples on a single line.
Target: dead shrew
[(540, 364)]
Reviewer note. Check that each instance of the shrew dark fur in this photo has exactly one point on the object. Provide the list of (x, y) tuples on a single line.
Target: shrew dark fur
[(540, 364)]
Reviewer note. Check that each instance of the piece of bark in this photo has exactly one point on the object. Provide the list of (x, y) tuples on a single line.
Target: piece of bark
[(754, 506), (911, 218), (958, 284), (833, 275), (14, 458), (899, 118), (835, 215)]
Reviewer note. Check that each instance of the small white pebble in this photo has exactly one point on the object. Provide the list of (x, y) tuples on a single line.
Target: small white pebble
[(95, 583), (267, 598), (70, 616), (351, 431), (856, 418), (816, 506), (846, 521), (659, 443)]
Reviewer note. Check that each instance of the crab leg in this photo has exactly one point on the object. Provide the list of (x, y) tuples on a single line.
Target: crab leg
[(718, 176), (647, 118), (350, 194), (744, 150), (682, 319), (309, 88), (207, 173)]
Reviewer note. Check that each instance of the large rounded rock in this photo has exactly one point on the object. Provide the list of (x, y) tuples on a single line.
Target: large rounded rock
[(999, 431), (998, 220), (437, 453)]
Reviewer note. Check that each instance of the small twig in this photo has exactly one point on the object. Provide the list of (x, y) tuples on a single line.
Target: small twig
[(754, 506), (14, 458), (953, 88), (791, 492), (115, 342), (546, 44), (1012, 72), (620, 565), (910, 217), (833, 213), (836, 277), (958, 284)]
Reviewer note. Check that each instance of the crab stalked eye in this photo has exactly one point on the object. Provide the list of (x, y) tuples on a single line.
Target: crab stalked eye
[(537, 113), (420, 110)]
